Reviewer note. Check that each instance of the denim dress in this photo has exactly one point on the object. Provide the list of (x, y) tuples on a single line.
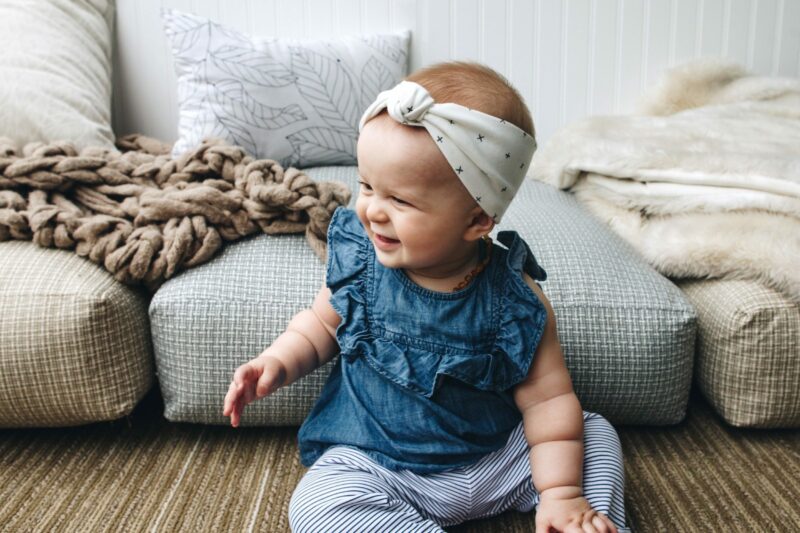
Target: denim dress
[(424, 379)]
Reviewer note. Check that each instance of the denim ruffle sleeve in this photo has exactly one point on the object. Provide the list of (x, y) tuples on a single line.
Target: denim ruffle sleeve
[(523, 315), (348, 261)]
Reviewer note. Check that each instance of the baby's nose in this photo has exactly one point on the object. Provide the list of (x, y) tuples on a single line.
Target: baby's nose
[(376, 210)]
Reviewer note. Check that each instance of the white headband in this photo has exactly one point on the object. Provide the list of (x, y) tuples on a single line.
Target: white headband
[(489, 155)]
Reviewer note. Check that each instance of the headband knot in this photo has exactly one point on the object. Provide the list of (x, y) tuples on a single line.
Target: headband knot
[(408, 103)]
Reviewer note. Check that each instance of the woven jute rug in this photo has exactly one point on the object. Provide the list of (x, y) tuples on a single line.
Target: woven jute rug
[(145, 474)]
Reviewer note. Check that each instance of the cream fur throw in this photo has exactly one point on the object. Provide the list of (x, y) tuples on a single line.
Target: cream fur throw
[(704, 182)]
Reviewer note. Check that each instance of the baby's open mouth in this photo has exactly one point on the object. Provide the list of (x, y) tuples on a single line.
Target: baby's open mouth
[(385, 240)]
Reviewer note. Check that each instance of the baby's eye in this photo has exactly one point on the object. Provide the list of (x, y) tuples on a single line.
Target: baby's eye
[(399, 201), (366, 185)]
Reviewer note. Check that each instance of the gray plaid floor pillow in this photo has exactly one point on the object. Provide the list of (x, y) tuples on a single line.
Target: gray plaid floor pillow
[(628, 333), (74, 343), (748, 352)]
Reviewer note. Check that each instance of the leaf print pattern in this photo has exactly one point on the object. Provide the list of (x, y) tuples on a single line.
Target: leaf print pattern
[(316, 90), (327, 87), (229, 128), (314, 144), (252, 66), (222, 34), (183, 32), (210, 124), (374, 78), (396, 53), (241, 107)]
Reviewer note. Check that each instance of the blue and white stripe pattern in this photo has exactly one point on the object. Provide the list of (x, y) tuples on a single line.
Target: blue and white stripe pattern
[(345, 490)]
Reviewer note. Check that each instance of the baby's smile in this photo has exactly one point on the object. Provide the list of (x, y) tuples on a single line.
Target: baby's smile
[(385, 243)]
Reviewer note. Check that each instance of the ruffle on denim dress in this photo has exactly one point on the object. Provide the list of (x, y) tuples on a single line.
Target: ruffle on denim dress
[(424, 379)]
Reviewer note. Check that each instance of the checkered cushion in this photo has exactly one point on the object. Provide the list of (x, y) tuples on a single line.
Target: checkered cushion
[(628, 333), (74, 343), (748, 352)]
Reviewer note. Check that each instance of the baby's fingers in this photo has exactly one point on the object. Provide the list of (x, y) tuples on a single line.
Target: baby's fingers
[(230, 399), (245, 374), (544, 526), (267, 384), (236, 412), (589, 528), (272, 377), (603, 524)]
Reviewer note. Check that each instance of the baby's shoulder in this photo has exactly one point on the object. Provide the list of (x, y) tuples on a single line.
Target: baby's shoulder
[(518, 257)]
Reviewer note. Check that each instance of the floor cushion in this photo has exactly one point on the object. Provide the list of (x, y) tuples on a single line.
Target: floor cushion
[(628, 333), (55, 71), (748, 360), (74, 343)]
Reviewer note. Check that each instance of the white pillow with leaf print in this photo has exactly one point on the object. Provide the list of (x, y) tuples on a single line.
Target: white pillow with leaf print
[(298, 102)]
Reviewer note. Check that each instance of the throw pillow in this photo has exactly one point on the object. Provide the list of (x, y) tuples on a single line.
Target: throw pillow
[(297, 102), (55, 71)]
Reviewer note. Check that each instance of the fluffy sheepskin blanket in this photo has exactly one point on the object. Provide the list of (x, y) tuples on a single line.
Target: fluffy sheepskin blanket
[(704, 180)]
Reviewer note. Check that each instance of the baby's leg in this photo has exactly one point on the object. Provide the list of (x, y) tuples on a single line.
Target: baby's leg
[(345, 490), (503, 478), (603, 473)]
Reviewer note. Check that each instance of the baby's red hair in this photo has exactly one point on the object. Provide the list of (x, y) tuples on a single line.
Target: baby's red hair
[(475, 86)]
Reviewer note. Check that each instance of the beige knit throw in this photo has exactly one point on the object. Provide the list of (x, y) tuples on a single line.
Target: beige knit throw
[(145, 216)]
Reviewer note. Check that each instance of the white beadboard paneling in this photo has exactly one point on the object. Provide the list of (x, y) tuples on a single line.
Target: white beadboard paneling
[(493, 34), (262, 18), (521, 67), (319, 18), (348, 16), (568, 58), (549, 88), (685, 45), (376, 16), (434, 30), (658, 39), (289, 21), (630, 36), (465, 17), (763, 41), (789, 52), (575, 34), (737, 43), (207, 8), (712, 29), (603, 60)]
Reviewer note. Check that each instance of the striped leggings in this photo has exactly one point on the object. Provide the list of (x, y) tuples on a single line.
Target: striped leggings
[(345, 490)]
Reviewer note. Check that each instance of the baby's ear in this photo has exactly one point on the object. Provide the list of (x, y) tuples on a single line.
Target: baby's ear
[(480, 224)]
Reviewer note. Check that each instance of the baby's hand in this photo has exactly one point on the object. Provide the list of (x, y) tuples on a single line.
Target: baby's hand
[(251, 381), (570, 513)]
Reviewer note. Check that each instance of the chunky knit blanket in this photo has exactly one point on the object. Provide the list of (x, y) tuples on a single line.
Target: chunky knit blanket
[(144, 215)]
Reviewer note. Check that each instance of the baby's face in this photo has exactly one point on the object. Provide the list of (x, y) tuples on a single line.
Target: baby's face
[(412, 205)]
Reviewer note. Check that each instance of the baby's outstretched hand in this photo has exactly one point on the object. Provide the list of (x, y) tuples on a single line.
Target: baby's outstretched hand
[(570, 515), (251, 381)]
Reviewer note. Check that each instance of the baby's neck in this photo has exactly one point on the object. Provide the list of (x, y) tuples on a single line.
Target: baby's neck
[(443, 277)]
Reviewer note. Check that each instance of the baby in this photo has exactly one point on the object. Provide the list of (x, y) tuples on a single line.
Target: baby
[(451, 400)]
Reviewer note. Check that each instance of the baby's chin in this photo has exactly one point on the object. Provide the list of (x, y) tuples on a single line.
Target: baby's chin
[(392, 258), (386, 259)]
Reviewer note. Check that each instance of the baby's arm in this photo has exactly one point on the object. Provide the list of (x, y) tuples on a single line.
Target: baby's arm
[(308, 342), (553, 424)]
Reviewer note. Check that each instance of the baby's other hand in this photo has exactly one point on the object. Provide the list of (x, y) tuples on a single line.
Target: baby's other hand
[(251, 381), (563, 513)]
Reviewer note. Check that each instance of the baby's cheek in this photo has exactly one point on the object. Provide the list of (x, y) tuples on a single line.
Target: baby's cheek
[(361, 210)]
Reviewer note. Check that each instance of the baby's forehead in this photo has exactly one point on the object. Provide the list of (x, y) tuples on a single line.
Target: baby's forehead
[(387, 141)]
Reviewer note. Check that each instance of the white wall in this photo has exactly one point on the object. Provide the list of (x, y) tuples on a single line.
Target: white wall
[(569, 58)]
